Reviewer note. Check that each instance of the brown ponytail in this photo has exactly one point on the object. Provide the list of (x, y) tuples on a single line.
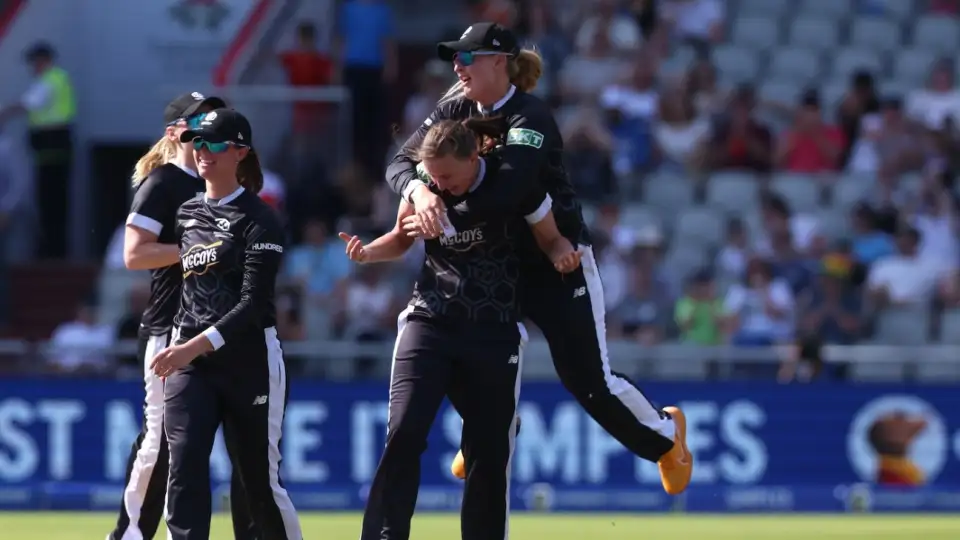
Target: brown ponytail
[(461, 139), (249, 172), (525, 69)]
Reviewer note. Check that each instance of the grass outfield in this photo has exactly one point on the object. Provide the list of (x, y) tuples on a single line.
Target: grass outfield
[(88, 526)]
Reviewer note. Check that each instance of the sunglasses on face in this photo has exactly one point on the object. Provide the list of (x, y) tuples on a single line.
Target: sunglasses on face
[(214, 147), (192, 122), (467, 58)]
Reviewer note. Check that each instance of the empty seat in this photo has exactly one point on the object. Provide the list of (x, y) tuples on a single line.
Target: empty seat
[(758, 33), (794, 65), (735, 62), (833, 223), (834, 9), (635, 216), (668, 194), (875, 33), (876, 363), (848, 61), (699, 226), (801, 192), (768, 8), (939, 34), (912, 66), (851, 189), (903, 326), (732, 192), (831, 94), (780, 92), (814, 33)]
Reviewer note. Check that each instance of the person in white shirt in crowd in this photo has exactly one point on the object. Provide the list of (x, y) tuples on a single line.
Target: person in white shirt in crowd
[(932, 105), (622, 32), (759, 312), (637, 96), (680, 131), (81, 345), (366, 310), (905, 278), (935, 220), (698, 22)]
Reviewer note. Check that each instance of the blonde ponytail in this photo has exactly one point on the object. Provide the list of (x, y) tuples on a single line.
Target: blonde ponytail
[(525, 69), (163, 151)]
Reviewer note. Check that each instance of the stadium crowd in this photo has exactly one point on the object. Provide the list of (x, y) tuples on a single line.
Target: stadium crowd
[(758, 172)]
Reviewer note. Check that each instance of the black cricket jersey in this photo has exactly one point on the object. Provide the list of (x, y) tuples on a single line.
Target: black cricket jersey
[(230, 253), (473, 275), (154, 208), (532, 147)]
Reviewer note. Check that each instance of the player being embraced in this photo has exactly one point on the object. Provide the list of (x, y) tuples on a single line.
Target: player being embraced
[(461, 330)]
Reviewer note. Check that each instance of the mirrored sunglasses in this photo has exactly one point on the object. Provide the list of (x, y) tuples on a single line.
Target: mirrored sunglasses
[(214, 147), (467, 58)]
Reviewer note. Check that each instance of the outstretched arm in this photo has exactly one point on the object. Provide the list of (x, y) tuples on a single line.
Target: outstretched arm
[(389, 247)]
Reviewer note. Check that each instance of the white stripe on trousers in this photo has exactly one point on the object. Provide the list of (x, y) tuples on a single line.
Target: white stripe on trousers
[(276, 400), (627, 393), (512, 434), (146, 460)]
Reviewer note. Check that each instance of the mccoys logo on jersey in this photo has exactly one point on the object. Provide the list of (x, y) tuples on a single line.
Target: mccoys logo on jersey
[(525, 137), (463, 240), (199, 258)]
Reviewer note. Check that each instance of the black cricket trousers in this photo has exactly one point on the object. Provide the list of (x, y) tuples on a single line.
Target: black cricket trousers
[(484, 363), (569, 310), (242, 386), (145, 488)]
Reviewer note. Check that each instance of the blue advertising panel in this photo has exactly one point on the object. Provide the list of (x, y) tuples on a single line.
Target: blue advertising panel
[(758, 446)]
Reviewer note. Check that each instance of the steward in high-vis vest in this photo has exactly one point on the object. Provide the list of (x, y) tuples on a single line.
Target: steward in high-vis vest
[(51, 108)]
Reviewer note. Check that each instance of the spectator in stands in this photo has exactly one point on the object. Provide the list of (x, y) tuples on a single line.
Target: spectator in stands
[(366, 310), (935, 219), (888, 144), (594, 67), (778, 217), (274, 190), (832, 310), (16, 213), (732, 258), (318, 267), (590, 147), (696, 22), (701, 82), (503, 12), (903, 278), (759, 311), (308, 67), (940, 100), (636, 97), (81, 346), (944, 7), (680, 132), (810, 145), (741, 141), (860, 100), (604, 24), (433, 82), (788, 264), (368, 58), (699, 313), (646, 312), (870, 243)]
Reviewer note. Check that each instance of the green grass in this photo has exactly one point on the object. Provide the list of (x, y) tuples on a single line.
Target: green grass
[(316, 526)]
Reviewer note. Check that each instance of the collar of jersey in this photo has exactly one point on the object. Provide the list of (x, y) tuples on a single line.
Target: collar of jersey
[(481, 172), (187, 170), (225, 200), (500, 103)]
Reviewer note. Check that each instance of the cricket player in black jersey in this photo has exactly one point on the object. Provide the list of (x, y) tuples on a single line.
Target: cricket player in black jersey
[(226, 365), (495, 75), (164, 178), (462, 328)]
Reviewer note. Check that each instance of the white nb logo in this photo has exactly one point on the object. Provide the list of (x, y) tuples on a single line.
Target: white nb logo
[(260, 400), (514, 359), (580, 291)]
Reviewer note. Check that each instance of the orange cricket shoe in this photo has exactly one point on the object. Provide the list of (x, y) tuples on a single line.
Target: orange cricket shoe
[(458, 468), (676, 466)]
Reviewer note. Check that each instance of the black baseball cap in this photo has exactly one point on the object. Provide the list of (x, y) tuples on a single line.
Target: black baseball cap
[(188, 104), (40, 50), (484, 36), (222, 125)]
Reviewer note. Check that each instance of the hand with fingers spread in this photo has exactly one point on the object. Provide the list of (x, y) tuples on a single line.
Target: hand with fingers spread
[(171, 359), (414, 228), (354, 250), (430, 209), (564, 258)]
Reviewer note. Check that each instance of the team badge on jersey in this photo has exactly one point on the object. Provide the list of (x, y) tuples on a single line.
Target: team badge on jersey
[(525, 137), (223, 224), (198, 259)]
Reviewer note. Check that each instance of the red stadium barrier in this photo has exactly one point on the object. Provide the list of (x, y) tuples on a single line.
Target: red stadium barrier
[(8, 13), (228, 62)]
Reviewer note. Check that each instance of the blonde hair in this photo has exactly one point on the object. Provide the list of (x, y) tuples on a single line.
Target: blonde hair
[(524, 70), (163, 151)]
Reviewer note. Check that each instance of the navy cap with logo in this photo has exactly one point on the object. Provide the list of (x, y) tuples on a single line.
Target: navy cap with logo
[(222, 125), (188, 104), (485, 36)]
